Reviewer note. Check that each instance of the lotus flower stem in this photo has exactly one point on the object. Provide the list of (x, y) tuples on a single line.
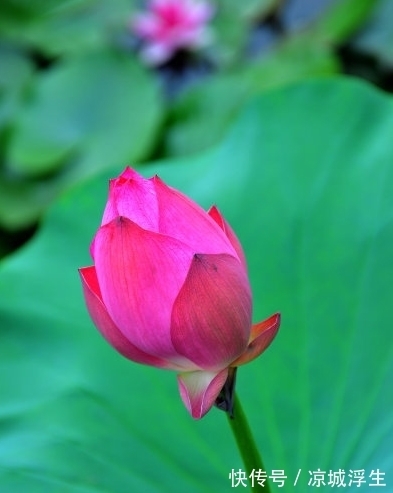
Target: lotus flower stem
[(246, 444)]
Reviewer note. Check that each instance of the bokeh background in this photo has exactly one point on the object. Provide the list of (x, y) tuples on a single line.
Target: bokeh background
[(285, 121)]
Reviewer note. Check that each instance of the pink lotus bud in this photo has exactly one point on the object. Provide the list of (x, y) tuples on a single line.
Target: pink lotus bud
[(169, 288), (169, 25)]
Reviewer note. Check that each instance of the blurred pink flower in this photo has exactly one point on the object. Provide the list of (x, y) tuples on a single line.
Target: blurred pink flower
[(169, 25), (169, 288)]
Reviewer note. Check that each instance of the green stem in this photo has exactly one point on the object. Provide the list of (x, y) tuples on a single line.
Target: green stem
[(246, 445)]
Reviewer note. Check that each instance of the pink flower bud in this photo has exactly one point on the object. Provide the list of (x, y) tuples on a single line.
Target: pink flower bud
[(169, 25), (169, 288)]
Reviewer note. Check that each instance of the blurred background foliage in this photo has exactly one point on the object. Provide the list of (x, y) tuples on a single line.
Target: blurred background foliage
[(243, 123), (75, 98)]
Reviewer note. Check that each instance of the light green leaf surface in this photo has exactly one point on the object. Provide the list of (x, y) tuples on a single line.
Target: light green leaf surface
[(84, 115), (56, 27), (305, 177), (99, 109), (15, 72), (201, 117), (232, 24)]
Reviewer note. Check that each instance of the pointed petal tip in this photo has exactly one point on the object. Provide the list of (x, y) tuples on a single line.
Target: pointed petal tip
[(262, 335), (215, 213), (128, 172), (213, 210), (200, 389)]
